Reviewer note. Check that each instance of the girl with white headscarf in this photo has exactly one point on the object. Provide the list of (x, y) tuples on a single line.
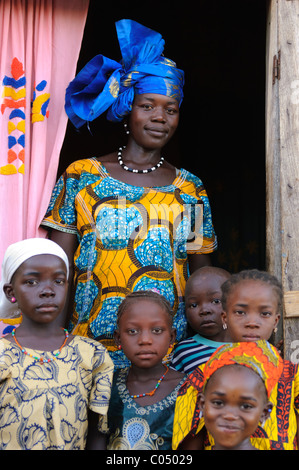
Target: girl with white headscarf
[(54, 387), (14, 256)]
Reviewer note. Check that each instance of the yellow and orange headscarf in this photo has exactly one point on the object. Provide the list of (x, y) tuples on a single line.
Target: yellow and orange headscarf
[(260, 356)]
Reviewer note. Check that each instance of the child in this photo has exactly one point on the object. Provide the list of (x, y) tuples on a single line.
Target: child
[(55, 387), (237, 383), (141, 409), (203, 311), (251, 302)]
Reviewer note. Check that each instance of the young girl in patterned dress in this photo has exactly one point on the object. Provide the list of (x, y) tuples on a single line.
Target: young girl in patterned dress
[(54, 387), (140, 415)]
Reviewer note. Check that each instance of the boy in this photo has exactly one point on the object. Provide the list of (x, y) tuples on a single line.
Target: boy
[(203, 312)]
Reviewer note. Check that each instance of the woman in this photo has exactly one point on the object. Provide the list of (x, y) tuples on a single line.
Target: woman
[(132, 212)]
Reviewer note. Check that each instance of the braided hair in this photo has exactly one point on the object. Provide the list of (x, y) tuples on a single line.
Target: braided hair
[(134, 297), (255, 275)]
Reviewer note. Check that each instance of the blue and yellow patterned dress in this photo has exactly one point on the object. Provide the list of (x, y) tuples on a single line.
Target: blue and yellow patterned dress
[(130, 238), (44, 406), (135, 427)]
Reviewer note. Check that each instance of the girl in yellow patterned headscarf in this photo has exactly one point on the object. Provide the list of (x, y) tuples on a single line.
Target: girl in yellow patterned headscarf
[(261, 357), (237, 383)]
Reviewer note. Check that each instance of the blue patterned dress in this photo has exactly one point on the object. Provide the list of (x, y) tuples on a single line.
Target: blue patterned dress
[(135, 427)]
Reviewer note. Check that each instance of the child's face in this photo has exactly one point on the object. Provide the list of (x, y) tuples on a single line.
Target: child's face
[(251, 311), (233, 404), (204, 307), (40, 287), (145, 333)]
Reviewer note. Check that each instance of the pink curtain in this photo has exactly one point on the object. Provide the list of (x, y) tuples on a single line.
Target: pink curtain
[(39, 47), (40, 42)]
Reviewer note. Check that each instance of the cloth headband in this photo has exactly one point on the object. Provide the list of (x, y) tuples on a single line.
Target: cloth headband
[(260, 356), (14, 256), (106, 85)]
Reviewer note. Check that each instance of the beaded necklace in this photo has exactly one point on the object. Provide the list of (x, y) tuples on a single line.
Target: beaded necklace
[(41, 359), (133, 170), (150, 394)]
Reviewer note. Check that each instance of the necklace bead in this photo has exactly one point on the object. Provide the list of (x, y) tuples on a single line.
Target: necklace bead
[(150, 394), (133, 170), (41, 359)]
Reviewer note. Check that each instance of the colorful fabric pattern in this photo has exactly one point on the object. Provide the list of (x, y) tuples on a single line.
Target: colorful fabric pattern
[(14, 100), (192, 352), (44, 406), (187, 415), (104, 84), (135, 427), (259, 356), (131, 238), (279, 431)]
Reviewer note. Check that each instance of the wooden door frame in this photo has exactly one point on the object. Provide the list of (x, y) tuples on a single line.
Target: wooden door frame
[(282, 163)]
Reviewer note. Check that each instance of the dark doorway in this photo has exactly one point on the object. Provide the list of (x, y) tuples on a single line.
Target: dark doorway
[(221, 136)]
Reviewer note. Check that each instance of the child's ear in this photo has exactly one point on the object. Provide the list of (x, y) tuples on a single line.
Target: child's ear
[(173, 335), (8, 291), (266, 412), (277, 318), (224, 317), (116, 336), (201, 401)]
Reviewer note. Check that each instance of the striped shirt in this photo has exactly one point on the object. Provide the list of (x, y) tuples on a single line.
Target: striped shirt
[(192, 352)]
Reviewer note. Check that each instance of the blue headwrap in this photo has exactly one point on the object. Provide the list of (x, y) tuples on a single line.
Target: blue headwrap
[(104, 84)]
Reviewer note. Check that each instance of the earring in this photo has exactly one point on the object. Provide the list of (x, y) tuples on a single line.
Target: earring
[(13, 300), (119, 347), (275, 330), (224, 325), (126, 128)]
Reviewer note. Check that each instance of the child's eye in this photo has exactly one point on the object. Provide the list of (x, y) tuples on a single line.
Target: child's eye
[(216, 301), (246, 406), (31, 282), (218, 403), (239, 312), (132, 331), (157, 330), (193, 305), (266, 314), (60, 281)]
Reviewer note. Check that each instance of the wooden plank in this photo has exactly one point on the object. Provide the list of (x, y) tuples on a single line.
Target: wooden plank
[(291, 304), (273, 223), (288, 44), (273, 196)]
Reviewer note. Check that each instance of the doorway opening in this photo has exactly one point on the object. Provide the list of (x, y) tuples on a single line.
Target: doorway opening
[(221, 46)]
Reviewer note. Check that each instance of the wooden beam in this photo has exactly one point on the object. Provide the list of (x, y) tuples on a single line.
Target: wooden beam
[(273, 196), (288, 44), (273, 222), (282, 160)]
